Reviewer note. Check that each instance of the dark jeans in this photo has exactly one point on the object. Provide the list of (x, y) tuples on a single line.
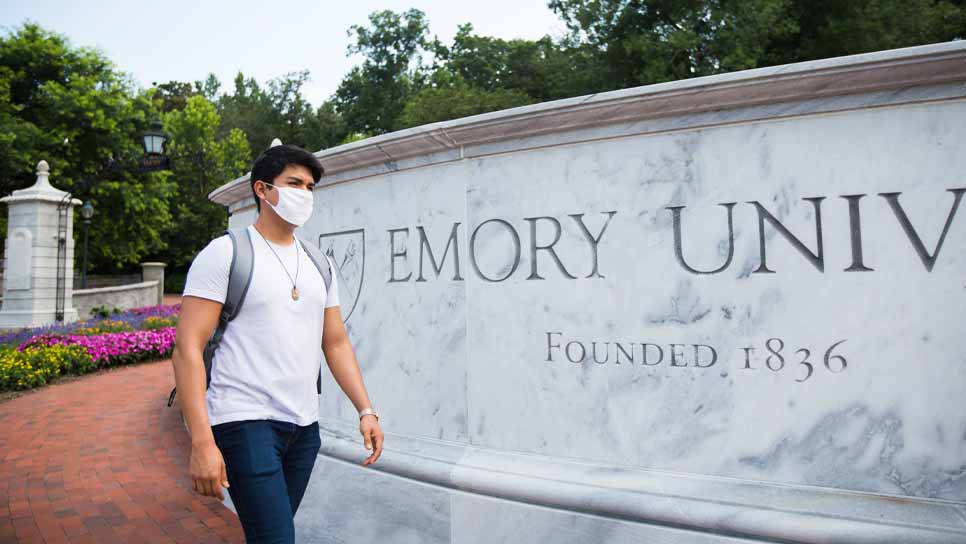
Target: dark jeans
[(268, 464)]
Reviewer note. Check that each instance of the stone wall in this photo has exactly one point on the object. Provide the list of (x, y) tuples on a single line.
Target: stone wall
[(123, 296), (714, 310)]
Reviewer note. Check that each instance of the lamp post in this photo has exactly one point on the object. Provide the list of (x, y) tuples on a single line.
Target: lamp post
[(87, 211), (154, 158), (152, 161)]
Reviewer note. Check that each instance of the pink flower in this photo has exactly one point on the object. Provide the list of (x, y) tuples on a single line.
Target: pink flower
[(105, 348)]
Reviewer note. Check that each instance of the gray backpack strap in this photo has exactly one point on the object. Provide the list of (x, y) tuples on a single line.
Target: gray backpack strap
[(239, 278), (326, 270), (240, 273)]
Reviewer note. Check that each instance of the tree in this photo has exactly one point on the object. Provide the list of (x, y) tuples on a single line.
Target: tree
[(173, 95), (331, 127), (830, 28), (249, 109), (449, 96), (277, 111), (542, 69), (201, 162), (371, 97), (638, 42), (71, 107)]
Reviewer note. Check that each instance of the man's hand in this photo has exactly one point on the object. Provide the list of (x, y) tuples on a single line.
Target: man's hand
[(372, 437), (208, 470)]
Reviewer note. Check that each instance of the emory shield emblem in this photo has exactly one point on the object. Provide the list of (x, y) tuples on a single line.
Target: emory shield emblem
[(347, 249)]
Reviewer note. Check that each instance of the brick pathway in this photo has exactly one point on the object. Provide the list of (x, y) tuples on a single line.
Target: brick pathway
[(101, 459)]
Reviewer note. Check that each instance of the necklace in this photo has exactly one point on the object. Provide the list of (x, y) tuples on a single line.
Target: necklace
[(295, 291)]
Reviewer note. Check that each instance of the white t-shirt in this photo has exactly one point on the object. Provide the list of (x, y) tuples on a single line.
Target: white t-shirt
[(269, 357)]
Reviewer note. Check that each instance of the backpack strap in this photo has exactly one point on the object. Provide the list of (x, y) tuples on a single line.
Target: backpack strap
[(240, 273), (326, 270), (239, 279)]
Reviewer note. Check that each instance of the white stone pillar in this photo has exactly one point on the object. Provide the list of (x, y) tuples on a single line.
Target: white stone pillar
[(30, 276), (154, 271)]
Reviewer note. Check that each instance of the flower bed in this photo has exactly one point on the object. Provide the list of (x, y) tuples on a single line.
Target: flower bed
[(114, 348), (33, 367), (31, 357)]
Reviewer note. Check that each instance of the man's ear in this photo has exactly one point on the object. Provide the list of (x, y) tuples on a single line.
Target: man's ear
[(263, 188)]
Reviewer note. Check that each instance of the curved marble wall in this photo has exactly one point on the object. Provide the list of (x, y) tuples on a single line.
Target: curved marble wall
[(714, 310)]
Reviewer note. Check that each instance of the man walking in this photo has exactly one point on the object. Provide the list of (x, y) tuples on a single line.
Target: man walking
[(256, 430)]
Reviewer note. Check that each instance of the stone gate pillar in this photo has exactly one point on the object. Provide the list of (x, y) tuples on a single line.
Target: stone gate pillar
[(154, 271), (30, 276)]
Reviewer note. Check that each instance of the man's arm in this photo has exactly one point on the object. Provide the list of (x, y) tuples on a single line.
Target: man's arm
[(196, 322), (345, 369)]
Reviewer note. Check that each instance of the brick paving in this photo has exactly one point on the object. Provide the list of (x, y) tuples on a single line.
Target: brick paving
[(101, 459)]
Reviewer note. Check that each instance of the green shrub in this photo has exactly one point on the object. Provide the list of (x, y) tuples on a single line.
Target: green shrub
[(104, 311), (174, 281)]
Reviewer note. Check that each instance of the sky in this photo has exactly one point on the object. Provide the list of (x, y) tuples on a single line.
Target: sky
[(159, 41)]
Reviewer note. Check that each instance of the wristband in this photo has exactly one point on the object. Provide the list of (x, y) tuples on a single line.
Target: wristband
[(368, 412)]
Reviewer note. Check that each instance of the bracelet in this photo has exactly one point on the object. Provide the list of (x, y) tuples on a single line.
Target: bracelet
[(368, 412)]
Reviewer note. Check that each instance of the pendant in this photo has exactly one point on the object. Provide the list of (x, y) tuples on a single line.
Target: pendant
[(295, 293)]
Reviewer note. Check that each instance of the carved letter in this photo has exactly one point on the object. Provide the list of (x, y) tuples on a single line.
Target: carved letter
[(516, 246), (856, 229), (679, 244), (424, 243), (620, 349), (593, 351), (393, 254), (548, 248), (583, 351), (660, 354), (549, 345), (697, 359), (593, 240), (928, 260), (675, 355), (817, 259)]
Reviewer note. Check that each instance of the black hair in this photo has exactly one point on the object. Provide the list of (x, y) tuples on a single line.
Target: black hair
[(273, 160)]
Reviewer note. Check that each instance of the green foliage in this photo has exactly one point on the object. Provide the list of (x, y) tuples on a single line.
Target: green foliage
[(174, 280), (648, 41), (71, 107), (131, 219), (173, 95), (277, 111), (104, 311), (451, 97), (371, 97), (542, 69), (831, 28), (201, 162), (638, 43)]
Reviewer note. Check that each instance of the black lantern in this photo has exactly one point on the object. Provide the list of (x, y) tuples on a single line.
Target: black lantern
[(154, 158), (87, 212), (154, 140)]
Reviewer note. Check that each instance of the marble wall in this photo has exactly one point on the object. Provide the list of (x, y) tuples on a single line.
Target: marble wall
[(745, 329), (618, 353)]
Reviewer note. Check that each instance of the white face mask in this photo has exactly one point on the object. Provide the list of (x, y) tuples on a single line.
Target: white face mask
[(294, 205)]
